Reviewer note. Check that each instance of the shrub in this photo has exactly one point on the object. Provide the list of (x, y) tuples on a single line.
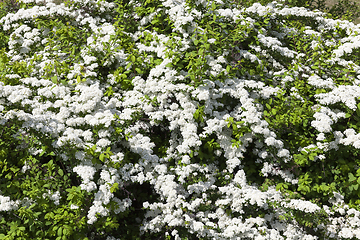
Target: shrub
[(178, 119)]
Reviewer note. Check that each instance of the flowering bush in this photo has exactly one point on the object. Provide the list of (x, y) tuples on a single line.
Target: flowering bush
[(178, 119)]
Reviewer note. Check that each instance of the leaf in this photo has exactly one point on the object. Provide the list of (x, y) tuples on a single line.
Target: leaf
[(314, 67), (324, 187), (102, 157), (114, 187), (351, 177), (54, 79), (305, 122), (60, 231)]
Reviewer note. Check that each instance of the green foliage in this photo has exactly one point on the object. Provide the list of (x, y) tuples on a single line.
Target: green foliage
[(44, 219)]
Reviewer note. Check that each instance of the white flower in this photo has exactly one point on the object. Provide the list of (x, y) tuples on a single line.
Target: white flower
[(321, 137), (232, 163), (198, 226), (270, 141), (283, 153), (7, 205), (85, 172), (212, 40), (103, 142), (56, 197), (74, 206), (88, 186), (25, 167), (305, 206), (346, 233)]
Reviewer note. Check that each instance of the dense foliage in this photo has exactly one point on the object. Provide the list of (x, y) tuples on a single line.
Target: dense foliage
[(178, 119)]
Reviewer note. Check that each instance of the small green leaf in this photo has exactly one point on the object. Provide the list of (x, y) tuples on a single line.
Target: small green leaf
[(228, 68), (54, 79), (60, 231), (314, 67), (114, 187), (351, 177)]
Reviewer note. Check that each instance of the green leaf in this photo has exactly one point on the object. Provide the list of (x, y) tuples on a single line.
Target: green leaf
[(47, 223), (54, 79), (324, 187), (60, 231), (351, 177), (114, 187), (132, 58)]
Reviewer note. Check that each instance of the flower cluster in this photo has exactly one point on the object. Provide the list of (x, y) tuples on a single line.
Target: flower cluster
[(203, 127)]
